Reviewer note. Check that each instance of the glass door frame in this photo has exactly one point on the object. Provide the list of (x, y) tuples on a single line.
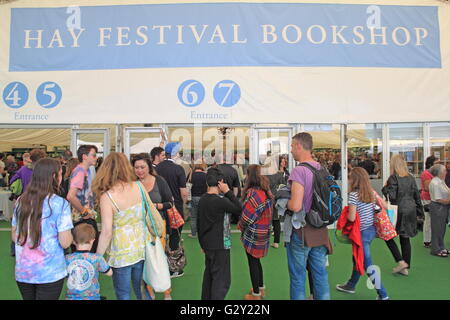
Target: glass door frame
[(254, 142), (129, 130), (104, 131)]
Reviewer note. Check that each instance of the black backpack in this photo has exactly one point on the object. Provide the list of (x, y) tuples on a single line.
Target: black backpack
[(327, 201)]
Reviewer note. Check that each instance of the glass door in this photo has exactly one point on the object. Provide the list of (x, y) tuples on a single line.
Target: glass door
[(141, 139), (97, 137), (269, 145)]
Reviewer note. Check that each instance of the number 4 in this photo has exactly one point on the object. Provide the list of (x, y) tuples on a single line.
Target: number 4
[(15, 96)]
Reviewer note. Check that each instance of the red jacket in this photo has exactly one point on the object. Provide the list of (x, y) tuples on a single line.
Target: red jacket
[(353, 231)]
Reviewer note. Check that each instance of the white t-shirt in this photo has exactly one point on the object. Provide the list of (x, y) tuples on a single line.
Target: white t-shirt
[(439, 190)]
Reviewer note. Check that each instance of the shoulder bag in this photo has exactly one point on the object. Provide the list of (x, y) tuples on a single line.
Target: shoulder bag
[(156, 270)]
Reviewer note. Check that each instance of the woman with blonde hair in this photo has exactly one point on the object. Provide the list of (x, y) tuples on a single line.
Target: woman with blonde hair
[(401, 190), (123, 230)]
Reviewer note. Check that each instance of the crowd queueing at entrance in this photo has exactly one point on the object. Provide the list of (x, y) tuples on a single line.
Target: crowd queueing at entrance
[(142, 205)]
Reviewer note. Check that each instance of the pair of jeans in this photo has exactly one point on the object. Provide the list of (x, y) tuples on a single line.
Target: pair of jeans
[(367, 236), (194, 210), (298, 257), (42, 291), (123, 277)]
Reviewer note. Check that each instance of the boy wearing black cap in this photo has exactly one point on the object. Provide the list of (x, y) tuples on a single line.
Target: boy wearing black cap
[(214, 234)]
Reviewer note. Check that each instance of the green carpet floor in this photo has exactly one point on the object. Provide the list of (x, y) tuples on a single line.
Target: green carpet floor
[(429, 277)]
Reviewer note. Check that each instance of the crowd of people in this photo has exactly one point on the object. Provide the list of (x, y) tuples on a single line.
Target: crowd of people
[(55, 234)]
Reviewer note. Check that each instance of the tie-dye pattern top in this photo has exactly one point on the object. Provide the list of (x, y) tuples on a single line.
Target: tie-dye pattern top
[(127, 244), (46, 263)]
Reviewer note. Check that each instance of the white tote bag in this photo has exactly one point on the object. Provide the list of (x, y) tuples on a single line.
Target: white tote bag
[(392, 213), (156, 270)]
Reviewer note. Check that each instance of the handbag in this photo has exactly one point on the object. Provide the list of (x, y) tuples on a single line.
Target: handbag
[(384, 228), (156, 269), (392, 213), (175, 218), (176, 258), (149, 207)]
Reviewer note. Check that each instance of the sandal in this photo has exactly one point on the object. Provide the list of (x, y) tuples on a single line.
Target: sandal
[(446, 251), (442, 254)]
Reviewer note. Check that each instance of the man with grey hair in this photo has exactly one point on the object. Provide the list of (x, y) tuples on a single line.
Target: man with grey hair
[(439, 206)]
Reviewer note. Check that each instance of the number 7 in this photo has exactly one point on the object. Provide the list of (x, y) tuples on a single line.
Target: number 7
[(230, 87)]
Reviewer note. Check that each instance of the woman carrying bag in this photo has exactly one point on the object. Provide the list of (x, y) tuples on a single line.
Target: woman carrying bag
[(123, 227), (160, 195), (401, 190)]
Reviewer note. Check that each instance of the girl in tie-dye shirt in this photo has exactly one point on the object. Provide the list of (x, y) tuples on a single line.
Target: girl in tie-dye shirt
[(41, 225)]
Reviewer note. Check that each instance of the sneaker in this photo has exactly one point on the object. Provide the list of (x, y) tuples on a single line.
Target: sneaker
[(176, 274), (385, 298), (345, 288), (400, 266)]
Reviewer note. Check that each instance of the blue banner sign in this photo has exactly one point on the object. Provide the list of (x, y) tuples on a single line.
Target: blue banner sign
[(224, 34)]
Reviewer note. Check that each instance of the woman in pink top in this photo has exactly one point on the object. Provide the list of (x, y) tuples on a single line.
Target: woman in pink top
[(425, 179)]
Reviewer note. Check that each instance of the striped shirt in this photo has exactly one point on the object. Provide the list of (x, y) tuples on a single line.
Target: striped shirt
[(366, 211)]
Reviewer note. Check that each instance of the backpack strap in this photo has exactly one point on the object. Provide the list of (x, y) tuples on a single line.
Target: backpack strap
[(310, 167)]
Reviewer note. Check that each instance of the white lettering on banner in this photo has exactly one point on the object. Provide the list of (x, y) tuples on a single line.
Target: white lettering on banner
[(75, 37), (358, 34), (236, 35), (103, 36), (121, 36), (142, 35), (28, 38), (419, 37), (180, 34), (267, 32), (309, 34), (382, 35), (161, 33), (297, 30), (195, 33), (407, 36), (217, 33), (337, 34), (56, 37), (20, 116), (291, 34)]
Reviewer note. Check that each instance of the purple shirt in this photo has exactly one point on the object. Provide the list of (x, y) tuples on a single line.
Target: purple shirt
[(23, 174), (304, 176)]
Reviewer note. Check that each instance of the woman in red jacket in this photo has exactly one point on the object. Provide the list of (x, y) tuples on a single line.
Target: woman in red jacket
[(255, 224)]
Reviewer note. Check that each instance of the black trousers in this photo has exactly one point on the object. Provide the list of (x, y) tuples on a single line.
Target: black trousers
[(93, 223), (256, 272), (217, 275), (43, 291), (276, 230), (405, 244)]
